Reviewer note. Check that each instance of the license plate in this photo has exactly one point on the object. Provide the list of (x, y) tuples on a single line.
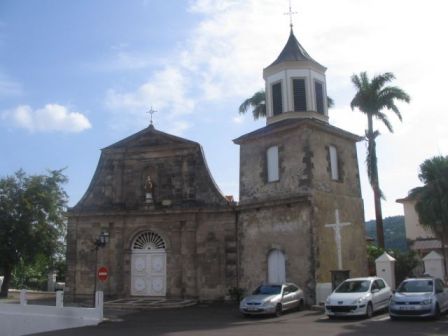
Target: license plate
[(407, 308)]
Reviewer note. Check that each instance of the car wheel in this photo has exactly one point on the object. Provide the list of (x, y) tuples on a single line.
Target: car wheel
[(369, 310), (301, 305), (278, 310), (437, 312)]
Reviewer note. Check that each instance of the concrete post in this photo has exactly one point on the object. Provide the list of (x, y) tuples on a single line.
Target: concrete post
[(99, 300), (434, 264), (51, 283), (385, 268), (59, 299), (23, 300)]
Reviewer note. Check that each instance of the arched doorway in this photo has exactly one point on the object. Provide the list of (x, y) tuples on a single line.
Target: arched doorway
[(276, 267), (148, 270)]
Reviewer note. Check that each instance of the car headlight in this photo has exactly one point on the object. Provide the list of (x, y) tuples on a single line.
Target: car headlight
[(359, 301), (427, 302), (268, 303)]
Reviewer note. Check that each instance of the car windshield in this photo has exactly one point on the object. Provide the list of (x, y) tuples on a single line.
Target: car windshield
[(353, 286), (268, 289), (418, 286)]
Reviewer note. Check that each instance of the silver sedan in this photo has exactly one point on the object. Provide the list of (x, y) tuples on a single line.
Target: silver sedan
[(273, 299)]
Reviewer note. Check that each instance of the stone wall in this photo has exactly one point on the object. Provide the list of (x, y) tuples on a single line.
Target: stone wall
[(186, 209), (286, 227)]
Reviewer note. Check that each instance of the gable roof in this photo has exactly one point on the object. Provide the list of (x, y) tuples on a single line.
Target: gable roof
[(149, 137)]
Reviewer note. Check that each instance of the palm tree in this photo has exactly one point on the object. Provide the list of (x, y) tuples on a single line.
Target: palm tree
[(432, 199), (371, 98), (258, 104)]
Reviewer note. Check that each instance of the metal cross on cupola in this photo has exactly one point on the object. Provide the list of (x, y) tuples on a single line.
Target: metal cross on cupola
[(290, 13), (151, 112)]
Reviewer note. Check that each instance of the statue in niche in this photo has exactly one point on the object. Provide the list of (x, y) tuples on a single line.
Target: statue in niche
[(149, 188)]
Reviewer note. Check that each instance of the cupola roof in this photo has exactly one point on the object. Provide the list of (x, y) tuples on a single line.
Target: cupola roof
[(293, 51)]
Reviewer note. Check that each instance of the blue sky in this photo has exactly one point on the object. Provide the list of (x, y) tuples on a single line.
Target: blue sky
[(77, 76)]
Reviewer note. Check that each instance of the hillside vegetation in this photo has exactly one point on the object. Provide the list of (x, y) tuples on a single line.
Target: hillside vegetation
[(394, 232)]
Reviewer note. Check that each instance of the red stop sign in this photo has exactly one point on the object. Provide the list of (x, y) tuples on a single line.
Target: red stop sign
[(103, 273)]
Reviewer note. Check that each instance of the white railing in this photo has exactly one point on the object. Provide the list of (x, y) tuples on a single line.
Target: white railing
[(21, 319)]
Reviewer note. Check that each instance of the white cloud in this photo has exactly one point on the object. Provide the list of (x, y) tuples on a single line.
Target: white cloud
[(238, 119), (178, 127), (50, 118), (166, 91), (9, 87)]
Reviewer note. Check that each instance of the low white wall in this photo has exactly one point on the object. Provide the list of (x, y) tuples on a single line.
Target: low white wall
[(22, 319), (323, 290)]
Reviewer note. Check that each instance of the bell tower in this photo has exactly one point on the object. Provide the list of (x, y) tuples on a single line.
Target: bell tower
[(300, 207), (295, 85)]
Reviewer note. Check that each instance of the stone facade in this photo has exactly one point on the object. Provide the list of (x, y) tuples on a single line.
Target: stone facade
[(290, 214), (187, 211)]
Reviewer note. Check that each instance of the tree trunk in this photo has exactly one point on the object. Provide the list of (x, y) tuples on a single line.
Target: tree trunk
[(374, 181), (378, 217), (6, 282)]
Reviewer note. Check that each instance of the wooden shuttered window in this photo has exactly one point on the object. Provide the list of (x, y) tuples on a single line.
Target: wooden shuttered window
[(299, 95), (334, 164), (277, 105), (319, 90), (272, 164)]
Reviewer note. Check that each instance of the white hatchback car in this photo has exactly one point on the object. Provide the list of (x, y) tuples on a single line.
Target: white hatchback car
[(420, 297), (358, 297)]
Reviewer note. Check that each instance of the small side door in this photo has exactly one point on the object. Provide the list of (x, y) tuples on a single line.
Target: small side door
[(385, 293), (288, 297), (441, 294), (376, 295)]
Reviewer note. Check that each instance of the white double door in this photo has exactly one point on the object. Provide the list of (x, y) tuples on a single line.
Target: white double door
[(148, 273)]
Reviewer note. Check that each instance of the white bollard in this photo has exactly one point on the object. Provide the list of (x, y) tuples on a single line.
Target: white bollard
[(99, 300), (60, 299), (385, 268), (23, 300)]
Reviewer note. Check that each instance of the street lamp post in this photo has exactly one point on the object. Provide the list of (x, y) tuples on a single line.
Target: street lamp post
[(100, 242)]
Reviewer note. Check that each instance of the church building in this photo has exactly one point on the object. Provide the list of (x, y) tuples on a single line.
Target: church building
[(171, 232)]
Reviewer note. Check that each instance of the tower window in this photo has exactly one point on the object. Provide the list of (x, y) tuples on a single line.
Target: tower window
[(319, 90), (299, 95), (272, 164), (277, 105), (334, 163)]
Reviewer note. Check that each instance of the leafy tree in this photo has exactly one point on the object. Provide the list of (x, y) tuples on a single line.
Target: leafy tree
[(258, 104), (31, 220), (371, 98), (432, 198)]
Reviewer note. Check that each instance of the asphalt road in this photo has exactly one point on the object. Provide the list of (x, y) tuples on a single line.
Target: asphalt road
[(224, 319)]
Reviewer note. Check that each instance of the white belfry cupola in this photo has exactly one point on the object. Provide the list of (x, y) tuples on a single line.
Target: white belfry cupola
[(295, 85)]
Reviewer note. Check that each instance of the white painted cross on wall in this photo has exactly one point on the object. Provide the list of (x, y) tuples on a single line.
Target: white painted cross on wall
[(337, 236)]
